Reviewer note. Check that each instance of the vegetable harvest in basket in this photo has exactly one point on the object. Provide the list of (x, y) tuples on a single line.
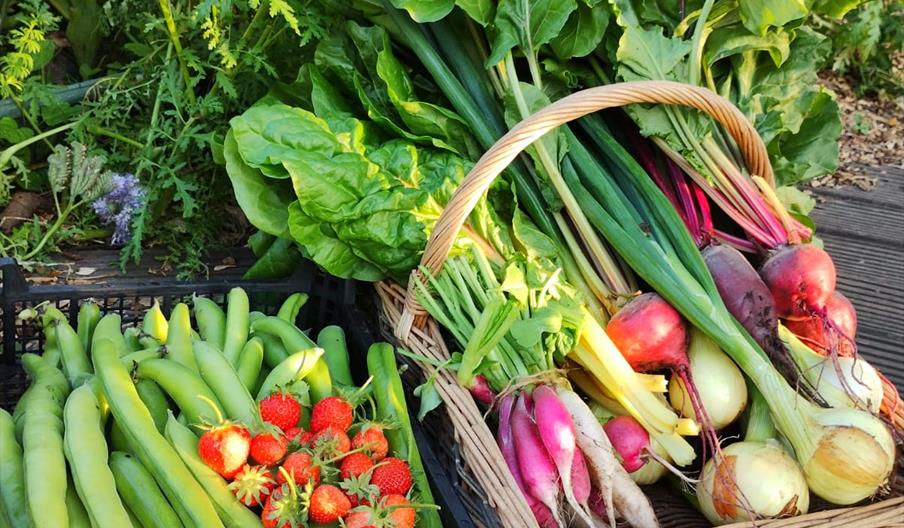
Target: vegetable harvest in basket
[(542, 288)]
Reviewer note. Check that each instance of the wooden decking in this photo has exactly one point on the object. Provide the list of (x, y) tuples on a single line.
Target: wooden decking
[(864, 233)]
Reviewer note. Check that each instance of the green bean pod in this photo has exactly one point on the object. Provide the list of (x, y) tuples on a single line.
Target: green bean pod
[(391, 408), (132, 335), (157, 455), (88, 317), (185, 387), (44, 376), (296, 366), (132, 359), (140, 493), (155, 324), (236, 324), (178, 341), (118, 439), (155, 400), (75, 360), (211, 321), (229, 389), (12, 475), (52, 353), (43, 459), (319, 381), (233, 513), (288, 312), (335, 352), (250, 362), (86, 451), (110, 327), (78, 515), (292, 338)]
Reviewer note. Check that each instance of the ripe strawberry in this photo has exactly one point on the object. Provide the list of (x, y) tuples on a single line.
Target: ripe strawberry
[(253, 485), (392, 476), (225, 448), (301, 467), (268, 448), (359, 519), (327, 504), (354, 465), (399, 517), (299, 436), (331, 443), (374, 442), (280, 409), (331, 412)]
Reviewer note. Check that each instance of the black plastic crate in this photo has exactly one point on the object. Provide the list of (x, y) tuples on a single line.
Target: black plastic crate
[(331, 301)]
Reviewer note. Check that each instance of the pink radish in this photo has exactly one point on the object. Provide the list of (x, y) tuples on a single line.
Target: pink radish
[(819, 336), (580, 479), (801, 279), (538, 471), (630, 440), (557, 434), (506, 443), (652, 335), (481, 391)]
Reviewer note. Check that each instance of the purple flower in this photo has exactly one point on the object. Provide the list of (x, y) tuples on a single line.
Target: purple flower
[(119, 205)]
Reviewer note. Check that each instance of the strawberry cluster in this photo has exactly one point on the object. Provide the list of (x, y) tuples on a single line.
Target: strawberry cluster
[(312, 477)]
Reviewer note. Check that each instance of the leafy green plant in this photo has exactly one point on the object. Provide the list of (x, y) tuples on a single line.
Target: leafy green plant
[(864, 44)]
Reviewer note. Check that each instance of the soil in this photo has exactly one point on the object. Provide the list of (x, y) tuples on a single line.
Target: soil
[(873, 134)]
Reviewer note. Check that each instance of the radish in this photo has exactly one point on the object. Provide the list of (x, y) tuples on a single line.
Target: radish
[(609, 477), (652, 335), (481, 391), (817, 335), (506, 443), (801, 279), (629, 439), (556, 430), (538, 471), (750, 301)]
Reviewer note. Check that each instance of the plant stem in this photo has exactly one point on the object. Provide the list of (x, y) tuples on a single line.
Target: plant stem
[(698, 40), (53, 229), (31, 121), (166, 8), (101, 131), (11, 150)]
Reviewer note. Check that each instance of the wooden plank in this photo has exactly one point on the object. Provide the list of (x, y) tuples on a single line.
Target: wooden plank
[(864, 233)]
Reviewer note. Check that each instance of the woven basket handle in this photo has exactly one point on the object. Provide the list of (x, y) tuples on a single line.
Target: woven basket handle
[(567, 109)]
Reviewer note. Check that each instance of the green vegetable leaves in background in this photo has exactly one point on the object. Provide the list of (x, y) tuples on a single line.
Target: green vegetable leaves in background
[(527, 24), (264, 200), (583, 31), (425, 10), (482, 11), (760, 15), (279, 260)]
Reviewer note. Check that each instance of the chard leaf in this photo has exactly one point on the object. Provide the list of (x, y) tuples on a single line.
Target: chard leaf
[(425, 10), (759, 15), (278, 261), (531, 240), (835, 8), (326, 250), (528, 24), (264, 201), (733, 40), (582, 33), (813, 150), (267, 135), (481, 11)]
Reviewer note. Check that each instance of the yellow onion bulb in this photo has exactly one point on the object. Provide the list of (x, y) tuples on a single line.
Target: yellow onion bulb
[(853, 456), (718, 380), (754, 480)]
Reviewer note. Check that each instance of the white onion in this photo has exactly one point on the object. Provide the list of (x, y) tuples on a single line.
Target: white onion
[(769, 480), (718, 380)]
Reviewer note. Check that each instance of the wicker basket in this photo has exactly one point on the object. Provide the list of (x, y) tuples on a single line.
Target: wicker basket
[(415, 330)]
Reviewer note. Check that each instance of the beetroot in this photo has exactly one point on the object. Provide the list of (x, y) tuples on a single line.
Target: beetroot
[(649, 333), (838, 333), (801, 279), (630, 441), (749, 300), (652, 335)]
